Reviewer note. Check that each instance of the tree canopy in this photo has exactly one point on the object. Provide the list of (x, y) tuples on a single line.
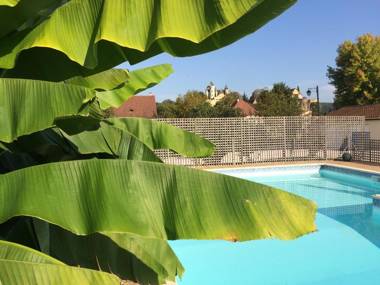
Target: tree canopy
[(194, 104), (279, 101), (356, 76)]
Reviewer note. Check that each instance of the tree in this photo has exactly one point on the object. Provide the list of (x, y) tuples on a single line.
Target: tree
[(191, 105), (279, 101), (194, 104), (255, 94), (167, 109), (80, 191), (203, 110), (324, 108), (190, 101), (245, 97), (224, 108), (356, 76)]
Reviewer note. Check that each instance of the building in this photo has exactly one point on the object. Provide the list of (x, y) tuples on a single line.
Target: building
[(305, 103), (211, 91), (370, 112), (137, 106), (214, 95), (248, 110)]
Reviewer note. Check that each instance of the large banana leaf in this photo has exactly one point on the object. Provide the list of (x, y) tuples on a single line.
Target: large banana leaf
[(28, 106), (20, 230), (15, 252), (159, 135), (112, 141), (48, 145), (145, 260), (52, 145), (12, 161), (115, 86), (138, 81), (106, 80), (22, 265), (9, 2), (96, 35), (107, 136), (25, 14), (24, 97), (91, 196), (124, 201)]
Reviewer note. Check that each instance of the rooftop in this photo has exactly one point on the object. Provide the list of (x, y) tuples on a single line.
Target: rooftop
[(246, 108), (371, 112), (138, 106)]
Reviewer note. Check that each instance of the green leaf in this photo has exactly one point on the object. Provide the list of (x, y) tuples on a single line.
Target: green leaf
[(107, 139), (11, 3), (155, 253), (124, 196), (16, 252), (22, 265), (115, 86), (19, 230), (100, 34), (47, 145), (112, 136), (144, 260), (158, 135), (139, 80), (12, 161), (74, 125), (28, 106), (26, 13), (75, 21), (106, 80)]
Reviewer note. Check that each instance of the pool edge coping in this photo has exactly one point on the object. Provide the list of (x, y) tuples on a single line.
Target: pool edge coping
[(339, 165)]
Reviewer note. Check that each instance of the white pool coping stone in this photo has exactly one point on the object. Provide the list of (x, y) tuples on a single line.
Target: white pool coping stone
[(290, 166)]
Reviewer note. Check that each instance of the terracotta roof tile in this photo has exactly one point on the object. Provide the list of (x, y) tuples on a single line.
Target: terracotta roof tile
[(369, 111), (138, 106), (246, 108)]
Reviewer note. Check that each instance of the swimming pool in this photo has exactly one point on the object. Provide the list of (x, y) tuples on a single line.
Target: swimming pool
[(344, 251)]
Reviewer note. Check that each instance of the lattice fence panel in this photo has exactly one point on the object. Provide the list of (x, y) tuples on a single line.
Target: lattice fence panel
[(241, 141), (375, 151), (367, 149)]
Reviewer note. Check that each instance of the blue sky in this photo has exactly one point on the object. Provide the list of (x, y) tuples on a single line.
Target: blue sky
[(295, 48)]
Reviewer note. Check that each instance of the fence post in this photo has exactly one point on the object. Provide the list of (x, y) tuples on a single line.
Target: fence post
[(325, 136), (241, 144), (233, 151), (284, 154)]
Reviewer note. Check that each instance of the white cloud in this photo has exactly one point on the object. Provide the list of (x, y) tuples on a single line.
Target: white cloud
[(328, 88)]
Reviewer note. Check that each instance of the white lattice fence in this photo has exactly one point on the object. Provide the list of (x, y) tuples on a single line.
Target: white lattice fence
[(366, 148), (269, 139)]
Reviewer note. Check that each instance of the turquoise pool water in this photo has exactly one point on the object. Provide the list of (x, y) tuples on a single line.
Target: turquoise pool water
[(344, 251)]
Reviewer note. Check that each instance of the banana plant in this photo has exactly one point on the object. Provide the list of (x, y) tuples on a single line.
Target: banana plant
[(83, 37), (84, 198)]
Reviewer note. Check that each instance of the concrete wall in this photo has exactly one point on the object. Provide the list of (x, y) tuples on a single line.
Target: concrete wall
[(374, 127)]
